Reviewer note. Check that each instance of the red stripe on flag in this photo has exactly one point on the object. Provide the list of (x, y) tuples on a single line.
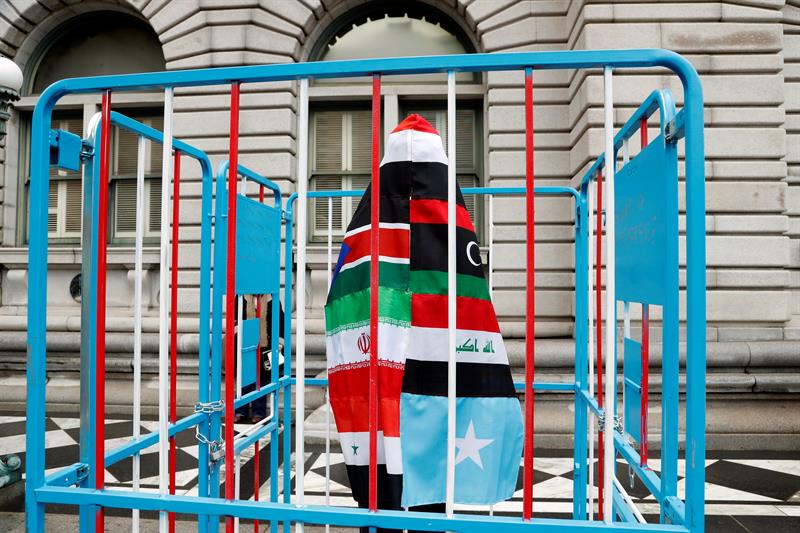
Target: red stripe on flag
[(435, 212), (430, 311), (415, 122), (349, 393), (394, 243)]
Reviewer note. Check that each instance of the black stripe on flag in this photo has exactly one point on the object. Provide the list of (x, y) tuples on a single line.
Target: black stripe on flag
[(394, 210), (429, 249), (473, 380), (390, 486)]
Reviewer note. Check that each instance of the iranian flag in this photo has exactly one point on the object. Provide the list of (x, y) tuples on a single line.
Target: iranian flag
[(412, 337)]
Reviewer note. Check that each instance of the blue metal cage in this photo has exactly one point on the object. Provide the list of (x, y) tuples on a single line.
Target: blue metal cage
[(645, 229)]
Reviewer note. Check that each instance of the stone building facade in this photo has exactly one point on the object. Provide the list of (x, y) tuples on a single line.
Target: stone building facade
[(748, 54)]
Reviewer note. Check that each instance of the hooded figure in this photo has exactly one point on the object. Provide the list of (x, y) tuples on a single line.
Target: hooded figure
[(413, 342)]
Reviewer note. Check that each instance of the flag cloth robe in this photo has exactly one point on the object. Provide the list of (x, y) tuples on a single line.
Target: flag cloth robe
[(413, 342)]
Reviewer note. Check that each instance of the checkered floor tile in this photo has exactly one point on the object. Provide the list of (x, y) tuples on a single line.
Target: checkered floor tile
[(755, 484)]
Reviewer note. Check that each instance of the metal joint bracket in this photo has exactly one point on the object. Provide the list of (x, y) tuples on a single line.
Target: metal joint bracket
[(87, 150), (81, 473), (210, 407)]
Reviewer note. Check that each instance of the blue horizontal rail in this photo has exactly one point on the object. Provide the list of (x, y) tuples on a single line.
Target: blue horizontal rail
[(518, 385), (660, 100), (254, 176), (245, 442), (335, 516), (511, 191)]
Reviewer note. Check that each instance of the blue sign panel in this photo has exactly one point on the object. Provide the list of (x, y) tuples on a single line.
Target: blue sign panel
[(646, 222), (258, 240), (249, 350), (632, 372)]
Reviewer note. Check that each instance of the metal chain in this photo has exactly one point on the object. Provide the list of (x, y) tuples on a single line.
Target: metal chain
[(209, 407), (213, 445)]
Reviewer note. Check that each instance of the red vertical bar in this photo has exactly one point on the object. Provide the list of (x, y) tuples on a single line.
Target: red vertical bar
[(230, 302), (645, 345), (100, 348), (527, 476), (256, 469), (173, 328), (375, 210), (599, 305), (257, 444)]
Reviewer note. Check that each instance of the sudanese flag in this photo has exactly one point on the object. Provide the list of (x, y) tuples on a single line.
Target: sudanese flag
[(413, 346)]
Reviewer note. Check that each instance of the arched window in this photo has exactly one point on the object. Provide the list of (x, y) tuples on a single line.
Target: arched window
[(340, 131), (96, 44), (392, 36)]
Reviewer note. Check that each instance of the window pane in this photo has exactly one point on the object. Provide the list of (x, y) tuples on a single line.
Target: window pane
[(360, 140), (320, 205), (154, 198), (126, 152), (125, 206), (328, 141), (73, 206)]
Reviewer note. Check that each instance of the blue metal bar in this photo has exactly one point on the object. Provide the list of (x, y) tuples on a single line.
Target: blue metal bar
[(69, 476), (645, 475), (621, 508), (86, 518), (245, 442), (286, 380), (545, 60), (255, 395), (335, 516), (591, 403), (274, 378), (581, 424), (695, 300), (660, 100), (258, 178), (128, 449), (518, 385), (217, 294), (512, 191)]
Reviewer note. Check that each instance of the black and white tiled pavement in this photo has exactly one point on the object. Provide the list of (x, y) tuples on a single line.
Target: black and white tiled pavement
[(745, 491)]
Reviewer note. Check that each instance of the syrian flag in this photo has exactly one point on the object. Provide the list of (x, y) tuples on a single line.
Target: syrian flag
[(413, 345)]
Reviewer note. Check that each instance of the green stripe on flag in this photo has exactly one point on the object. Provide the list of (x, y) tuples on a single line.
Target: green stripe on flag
[(435, 282), (356, 279), (352, 310)]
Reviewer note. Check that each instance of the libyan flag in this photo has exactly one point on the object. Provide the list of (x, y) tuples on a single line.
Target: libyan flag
[(413, 342)]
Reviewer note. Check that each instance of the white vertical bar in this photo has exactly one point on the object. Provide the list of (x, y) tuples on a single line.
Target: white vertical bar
[(327, 452), (590, 311), (330, 239), (236, 489), (627, 498), (137, 320), (451, 293), (491, 247), (611, 299), (239, 339), (327, 389), (163, 308), (302, 200)]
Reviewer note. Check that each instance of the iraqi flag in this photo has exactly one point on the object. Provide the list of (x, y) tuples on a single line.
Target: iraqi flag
[(412, 351)]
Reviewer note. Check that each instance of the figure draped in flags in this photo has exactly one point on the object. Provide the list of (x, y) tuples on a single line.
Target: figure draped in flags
[(413, 342)]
